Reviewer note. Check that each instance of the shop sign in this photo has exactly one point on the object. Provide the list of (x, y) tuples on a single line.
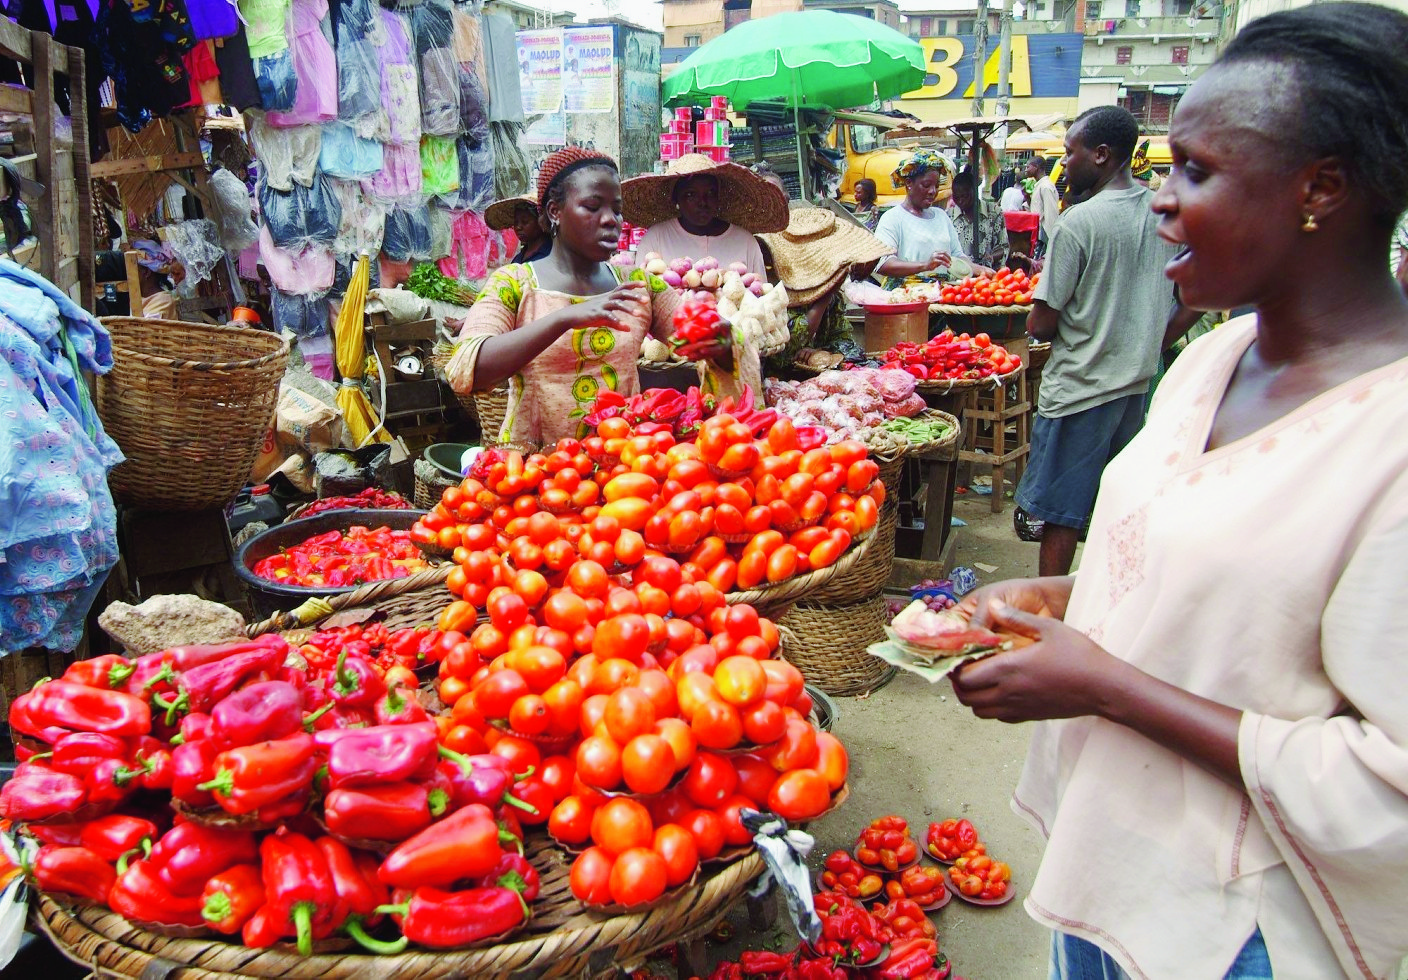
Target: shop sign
[(1043, 66)]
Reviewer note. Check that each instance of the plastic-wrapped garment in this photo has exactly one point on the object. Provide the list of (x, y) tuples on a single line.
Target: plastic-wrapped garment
[(474, 106), (315, 65), (407, 234), (432, 27), (278, 84), (399, 181), (305, 315), (345, 154), (196, 245), (303, 216), (358, 65), (301, 271), (286, 156), (513, 174), (469, 248), (58, 526), (231, 200), (469, 44), (363, 219), (439, 166), (481, 170), (400, 88), (440, 221), (266, 26), (501, 61)]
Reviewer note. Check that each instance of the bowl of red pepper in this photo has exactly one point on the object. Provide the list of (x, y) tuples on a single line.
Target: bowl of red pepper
[(332, 552)]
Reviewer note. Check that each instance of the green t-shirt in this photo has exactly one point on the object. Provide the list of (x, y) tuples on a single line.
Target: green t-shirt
[(1104, 273), (266, 26)]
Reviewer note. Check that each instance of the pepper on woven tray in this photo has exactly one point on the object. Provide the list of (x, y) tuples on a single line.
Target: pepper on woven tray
[(188, 855), (380, 754), (36, 792), (389, 812), (252, 777), (441, 919), (298, 888), (259, 712), (466, 844), (140, 894), (74, 871), (231, 898), (118, 835)]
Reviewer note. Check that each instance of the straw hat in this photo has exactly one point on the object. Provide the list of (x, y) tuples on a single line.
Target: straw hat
[(817, 250), (499, 215), (746, 199)]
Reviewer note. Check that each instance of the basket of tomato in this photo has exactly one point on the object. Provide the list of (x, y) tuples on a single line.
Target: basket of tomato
[(333, 553)]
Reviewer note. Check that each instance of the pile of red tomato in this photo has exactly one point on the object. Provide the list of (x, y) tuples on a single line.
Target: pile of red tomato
[(950, 357), (974, 873), (1006, 287)]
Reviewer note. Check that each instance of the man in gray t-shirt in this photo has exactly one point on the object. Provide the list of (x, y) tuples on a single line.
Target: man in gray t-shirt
[(1104, 304)]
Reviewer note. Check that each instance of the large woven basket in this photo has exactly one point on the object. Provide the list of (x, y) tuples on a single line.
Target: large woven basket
[(774, 600), (827, 644), (431, 483), (867, 577), (561, 940), (188, 403), (408, 601), (937, 448), (492, 407)]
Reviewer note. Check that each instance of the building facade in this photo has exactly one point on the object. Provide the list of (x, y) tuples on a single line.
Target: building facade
[(527, 17)]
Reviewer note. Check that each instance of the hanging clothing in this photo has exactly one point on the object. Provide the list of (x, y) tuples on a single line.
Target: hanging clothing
[(363, 222), (567, 376), (358, 65), (314, 64), (400, 179), (58, 525), (148, 73), (299, 271), (407, 234), (287, 156), (469, 248), (238, 86), (345, 154), (266, 26), (433, 30), (439, 166), (203, 73), (400, 89), (501, 59)]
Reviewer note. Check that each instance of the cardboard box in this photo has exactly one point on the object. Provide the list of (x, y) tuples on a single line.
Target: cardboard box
[(711, 134), (885, 330)]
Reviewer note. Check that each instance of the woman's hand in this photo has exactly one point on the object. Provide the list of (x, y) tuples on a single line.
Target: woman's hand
[(938, 260), (983, 270), (1045, 597), (706, 350), (1062, 675), (618, 309)]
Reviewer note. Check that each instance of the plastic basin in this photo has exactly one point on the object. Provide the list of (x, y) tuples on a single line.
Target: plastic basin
[(445, 457)]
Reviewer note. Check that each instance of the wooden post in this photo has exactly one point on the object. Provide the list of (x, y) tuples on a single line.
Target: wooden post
[(45, 212), (79, 109)]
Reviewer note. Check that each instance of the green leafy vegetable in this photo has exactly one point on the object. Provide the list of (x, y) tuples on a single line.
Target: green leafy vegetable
[(428, 282)]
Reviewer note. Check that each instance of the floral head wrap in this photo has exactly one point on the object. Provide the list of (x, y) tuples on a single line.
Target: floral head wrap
[(1140, 167), (918, 165)]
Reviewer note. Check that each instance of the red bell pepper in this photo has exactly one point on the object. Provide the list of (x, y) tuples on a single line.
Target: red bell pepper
[(353, 879), (513, 871), (111, 781), (64, 704), (397, 707), (299, 886), (393, 812), (156, 769), (141, 895), (262, 930), (74, 871), (40, 794), (254, 776), (463, 845), (482, 779), (193, 764), (356, 682), (108, 672), (117, 835), (908, 958), (231, 898), (79, 752), (189, 855), (443, 919), (195, 725), (258, 713), (58, 835), (204, 686), (380, 754)]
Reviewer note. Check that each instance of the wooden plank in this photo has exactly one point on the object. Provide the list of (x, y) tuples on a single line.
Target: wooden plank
[(15, 99), (134, 281), (145, 165), (79, 109), (45, 212)]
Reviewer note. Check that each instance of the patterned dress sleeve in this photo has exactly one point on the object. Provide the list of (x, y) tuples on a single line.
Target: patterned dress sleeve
[(493, 314)]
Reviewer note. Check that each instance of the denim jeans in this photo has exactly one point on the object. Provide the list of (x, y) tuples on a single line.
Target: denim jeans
[(278, 85), (1073, 958)]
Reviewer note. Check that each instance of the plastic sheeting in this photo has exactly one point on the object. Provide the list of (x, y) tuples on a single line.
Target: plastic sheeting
[(306, 316), (197, 245), (231, 200), (303, 217), (407, 234), (432, 27)]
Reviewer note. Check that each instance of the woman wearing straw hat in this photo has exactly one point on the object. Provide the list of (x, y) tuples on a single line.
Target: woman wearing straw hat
[(521, 214), (562, 329), (813, 258), (699, 208)]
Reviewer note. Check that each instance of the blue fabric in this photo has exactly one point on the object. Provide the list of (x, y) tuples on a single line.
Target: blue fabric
[(345, 154), (1073, 958), (1068, 455), (278, 84), (58, 525), (307, 316)]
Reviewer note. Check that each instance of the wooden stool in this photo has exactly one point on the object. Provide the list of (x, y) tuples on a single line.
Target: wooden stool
[(987, 417)]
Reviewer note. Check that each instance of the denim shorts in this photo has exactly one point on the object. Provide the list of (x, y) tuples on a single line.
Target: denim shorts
[(278, 85), (1069, 453), (1073, 958)]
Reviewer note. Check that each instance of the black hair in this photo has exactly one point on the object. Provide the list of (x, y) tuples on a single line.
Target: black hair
[(1349, 62), (557, 190), (965, 179), (675, 188), (867, 182), (1109, 125)]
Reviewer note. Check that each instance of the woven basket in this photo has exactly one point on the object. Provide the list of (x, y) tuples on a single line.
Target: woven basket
[(978, 310), (561, 940), (422, 592), (827, 644), (773, 601), (431, 483), (189, 404), (492, 407), (872, 570), (1037, 356), (887, 451)]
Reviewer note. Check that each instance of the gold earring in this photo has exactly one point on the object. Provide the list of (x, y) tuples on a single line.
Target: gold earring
[(1309, 223)]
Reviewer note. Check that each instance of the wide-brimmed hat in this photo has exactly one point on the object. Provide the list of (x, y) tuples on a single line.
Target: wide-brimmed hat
[(500, 214), (745, 199), (816, 250)]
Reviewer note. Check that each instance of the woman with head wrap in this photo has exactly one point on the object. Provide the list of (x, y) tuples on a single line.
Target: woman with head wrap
[(564, 328), (922, 235)]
